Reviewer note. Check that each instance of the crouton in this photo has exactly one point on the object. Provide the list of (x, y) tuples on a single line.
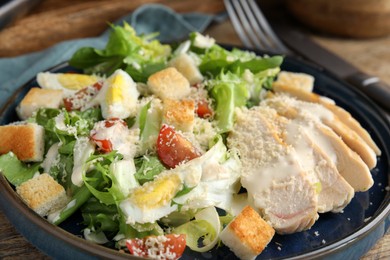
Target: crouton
[(301, 81), (248, 234), (169, 83), (179, 114), (186, 66), (37, 98), (24, 140), (43, 194)]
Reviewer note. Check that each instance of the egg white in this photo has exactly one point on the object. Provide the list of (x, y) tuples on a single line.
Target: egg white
[(118, 96)]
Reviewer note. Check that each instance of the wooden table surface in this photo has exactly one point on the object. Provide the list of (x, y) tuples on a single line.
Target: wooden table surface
[(54, 21)]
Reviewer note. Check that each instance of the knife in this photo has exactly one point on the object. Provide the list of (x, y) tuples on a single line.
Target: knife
[(300, 43)]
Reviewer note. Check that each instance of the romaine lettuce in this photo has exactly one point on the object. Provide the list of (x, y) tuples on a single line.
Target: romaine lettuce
[(229, 91), (16, 171)]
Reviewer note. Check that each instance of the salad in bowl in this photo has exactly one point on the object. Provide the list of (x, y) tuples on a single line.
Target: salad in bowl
[(163, 148)]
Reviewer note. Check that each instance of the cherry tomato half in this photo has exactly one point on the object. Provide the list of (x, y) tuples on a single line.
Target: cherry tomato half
[(203, 109), (173, 148), (70, 103), (169, 246)]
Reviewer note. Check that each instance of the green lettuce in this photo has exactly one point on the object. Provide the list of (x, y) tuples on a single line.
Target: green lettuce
[(16, 171), (140, 56), (99, 217), (148, 167), (75, 124), (229, 91), (215, 59), (196, 230), (149, 121)]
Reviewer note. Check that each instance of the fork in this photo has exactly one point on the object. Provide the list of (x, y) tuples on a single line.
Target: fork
[(252, 27)]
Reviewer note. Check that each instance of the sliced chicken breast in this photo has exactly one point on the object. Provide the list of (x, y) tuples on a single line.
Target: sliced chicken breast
[(334, 193), (349, 164), (341, 113), (276, 183), (319, 112)]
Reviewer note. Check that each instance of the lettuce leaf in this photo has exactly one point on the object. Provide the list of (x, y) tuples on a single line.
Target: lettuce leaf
[(100, 217), (149, 121), (205, 228), (217, 59), (229, 91), (16, 171), (73, 123), (148, 167), (140, 56)]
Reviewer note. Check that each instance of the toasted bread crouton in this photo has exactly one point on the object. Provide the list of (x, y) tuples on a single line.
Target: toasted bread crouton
[(24, 140), (43, 194), (248, 234), (295, 80), (169, 83), (37, 98), (179, 113), (186, 66)]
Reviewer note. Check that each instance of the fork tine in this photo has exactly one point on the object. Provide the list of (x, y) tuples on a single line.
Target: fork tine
[(258, 36), (237, 24), (252, 27), (267, 28)]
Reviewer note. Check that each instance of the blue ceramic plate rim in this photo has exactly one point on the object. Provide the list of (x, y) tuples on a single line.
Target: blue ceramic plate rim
[(73, 246)]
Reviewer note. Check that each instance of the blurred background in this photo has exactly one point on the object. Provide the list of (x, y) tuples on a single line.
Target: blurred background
[(357, 30)]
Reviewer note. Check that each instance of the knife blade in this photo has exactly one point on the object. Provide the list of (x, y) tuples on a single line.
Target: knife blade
[(303, 45)]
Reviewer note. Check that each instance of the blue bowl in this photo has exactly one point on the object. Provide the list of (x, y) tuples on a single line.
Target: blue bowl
[(347, 235)]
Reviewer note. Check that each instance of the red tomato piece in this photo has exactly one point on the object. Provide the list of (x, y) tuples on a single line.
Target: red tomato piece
[(69, 102), (203, 109), (103, 145), (169, 246), (111, 121), (173, 148)]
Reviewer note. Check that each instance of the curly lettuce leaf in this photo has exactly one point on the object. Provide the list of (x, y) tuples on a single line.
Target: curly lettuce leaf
[(63, 126), (140, 56), (216, 59), (229, 91), (100, 217), (147, 168)]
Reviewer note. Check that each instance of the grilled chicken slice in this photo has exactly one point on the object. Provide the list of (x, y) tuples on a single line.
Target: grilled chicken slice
[(321, 113), (276, 183), (348, 163), (334, 193), (339, 112)]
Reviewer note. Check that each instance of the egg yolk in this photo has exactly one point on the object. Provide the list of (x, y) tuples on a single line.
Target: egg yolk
[(75, 81), (115, 91), (158, 192)]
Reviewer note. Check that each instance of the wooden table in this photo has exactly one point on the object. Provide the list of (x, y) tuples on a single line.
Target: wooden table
[(54, 21)]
